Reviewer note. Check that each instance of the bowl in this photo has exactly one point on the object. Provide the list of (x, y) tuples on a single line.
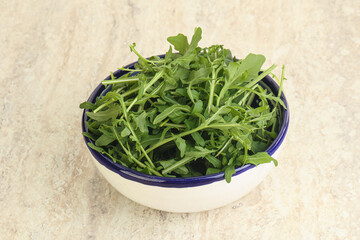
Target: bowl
[(191, 194)]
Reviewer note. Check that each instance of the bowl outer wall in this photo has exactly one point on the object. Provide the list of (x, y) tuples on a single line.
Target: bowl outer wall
[(178, 182), (188, 199)]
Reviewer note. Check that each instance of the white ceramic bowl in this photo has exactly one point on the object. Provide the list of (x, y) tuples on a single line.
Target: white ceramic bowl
[(191, 194)]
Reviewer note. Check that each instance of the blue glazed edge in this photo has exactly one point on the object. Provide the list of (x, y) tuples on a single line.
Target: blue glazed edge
[(179, 182)]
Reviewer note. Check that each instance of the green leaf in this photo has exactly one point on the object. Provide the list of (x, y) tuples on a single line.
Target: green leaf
[(185, 60), (234, 71), (180, 43), (168, 54), (169, 163), (89, 135), (194, 40), (102, 116), (198, 138), (170, 110), (99, 149), (229, 171), (257, 111), (125, 132), (170, 80), (142, 122), (193, 94), (258, 146), (261, 157), (104, 140), (198, 107), (212, 171), (252, 63), (181, 73), (181, 145), (178, 116), (87, 105), (93, 127), (214, 161), (199, 152), (148, 140)]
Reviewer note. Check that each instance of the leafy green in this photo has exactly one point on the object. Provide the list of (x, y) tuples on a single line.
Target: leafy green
[(197, 112), (174, 110), (260, 157), (180, 43), (181, 144), (229, 171)]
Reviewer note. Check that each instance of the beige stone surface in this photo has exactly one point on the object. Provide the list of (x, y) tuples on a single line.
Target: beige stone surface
[(54, 53)]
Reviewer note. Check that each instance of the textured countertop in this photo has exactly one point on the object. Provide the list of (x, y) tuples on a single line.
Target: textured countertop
[(54, 53)]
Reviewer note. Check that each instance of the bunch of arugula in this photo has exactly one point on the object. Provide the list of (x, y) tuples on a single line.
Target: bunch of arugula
[(196, 112)]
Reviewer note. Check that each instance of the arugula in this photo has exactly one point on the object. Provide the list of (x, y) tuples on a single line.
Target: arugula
[(196, 112)]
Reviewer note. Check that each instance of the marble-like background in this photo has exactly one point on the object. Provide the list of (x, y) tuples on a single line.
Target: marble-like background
[(53, 54)]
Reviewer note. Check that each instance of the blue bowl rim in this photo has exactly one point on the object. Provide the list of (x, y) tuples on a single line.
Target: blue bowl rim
[(143, 178)]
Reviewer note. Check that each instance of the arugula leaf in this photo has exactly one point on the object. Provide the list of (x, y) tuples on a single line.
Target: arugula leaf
[(198, 107), (170, 110), (89, 135), (252, 65), (181, 144), (125, 132), (212, 171), (214, 161), (229, 171), (99, 149), (199, 152), (150, 140), (198, 138), (258, 146), (261, 157), (87, 105), (142, 122), (169, 163), (104, 140), (180, 42), (102, 116), (195, 40), (202, 73)]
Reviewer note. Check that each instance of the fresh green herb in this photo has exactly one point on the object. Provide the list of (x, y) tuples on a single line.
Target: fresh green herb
[(196, 112)]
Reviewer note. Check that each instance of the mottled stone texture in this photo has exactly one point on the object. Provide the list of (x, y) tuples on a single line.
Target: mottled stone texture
[(53, 54)]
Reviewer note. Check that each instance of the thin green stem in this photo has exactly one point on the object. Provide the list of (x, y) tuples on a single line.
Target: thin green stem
[(279, 93), (130, 70), (199, 128), (223, 125), (121, 80), (223, 147), (139, 144), (119, 89), (212, 89), (260, 77), (132, 157), (122, 103), (132, 48), (164, 141), (157, 76), (250, 99), (281, 80), (128, 93), (174, 125), (180, 163), (103, 105)]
